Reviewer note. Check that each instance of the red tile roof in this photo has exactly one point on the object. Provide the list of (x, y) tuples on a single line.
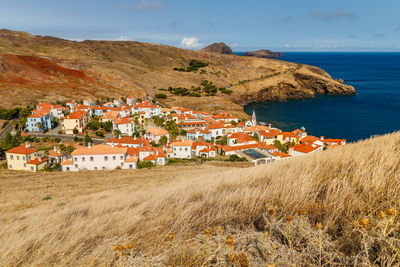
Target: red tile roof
[(22, 149), (36, 161), (76, 115), (306, 149)]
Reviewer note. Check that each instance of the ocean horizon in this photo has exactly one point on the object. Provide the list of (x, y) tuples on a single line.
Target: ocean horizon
[(375, 110)]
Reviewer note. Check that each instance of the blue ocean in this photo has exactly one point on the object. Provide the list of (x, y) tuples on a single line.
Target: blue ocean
[(375, 110)]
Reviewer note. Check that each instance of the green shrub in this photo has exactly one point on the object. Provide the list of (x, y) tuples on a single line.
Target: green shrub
[(163, 96), (145, 164)]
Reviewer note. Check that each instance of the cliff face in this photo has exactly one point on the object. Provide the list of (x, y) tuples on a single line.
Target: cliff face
[(35, 68), (264, 53)]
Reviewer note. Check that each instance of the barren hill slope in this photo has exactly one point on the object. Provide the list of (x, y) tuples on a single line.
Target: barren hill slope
[(269, 213), (34, 68)]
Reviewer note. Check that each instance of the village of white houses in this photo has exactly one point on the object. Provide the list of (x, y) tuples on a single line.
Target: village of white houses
[(130, 133)]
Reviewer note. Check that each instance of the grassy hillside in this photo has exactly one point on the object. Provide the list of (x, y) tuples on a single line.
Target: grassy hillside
[(336, 207), (36, 68)]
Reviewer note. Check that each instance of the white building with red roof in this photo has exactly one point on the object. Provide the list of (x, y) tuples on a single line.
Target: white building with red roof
[(55, 110), (181, 149), (204, 149), (148, 108), (226, 117), (155, 134), (25, 158), (304, 149), (75, 120), (198, 133), (99, 157), (124, 125)]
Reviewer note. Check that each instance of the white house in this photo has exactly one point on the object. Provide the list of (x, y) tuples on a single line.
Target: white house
[(130, 101), (99, 157), (148, 108), (118, 102), (182, 149), (55, 110), (217, 130), (124, 125), (204, 149), (89, 102), (155, 134)]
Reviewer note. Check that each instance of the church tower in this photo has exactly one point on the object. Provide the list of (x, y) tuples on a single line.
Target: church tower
[(253, 118)]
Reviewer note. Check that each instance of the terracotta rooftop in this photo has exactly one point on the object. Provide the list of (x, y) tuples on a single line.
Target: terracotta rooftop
[(22, 149), (36, 161), (99, 150), (76, 115), (157, 131)]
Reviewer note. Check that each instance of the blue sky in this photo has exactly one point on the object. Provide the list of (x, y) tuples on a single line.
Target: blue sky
[(285, 25)]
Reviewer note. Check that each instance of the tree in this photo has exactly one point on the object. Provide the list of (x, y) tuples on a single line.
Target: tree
[(75, 131), (87, 139), (256, 137), (107, 126), (145, 164), (39, 126), (99, 133), (163, 140), (117, 132), (69, 149), (9, 142), (62, 148)]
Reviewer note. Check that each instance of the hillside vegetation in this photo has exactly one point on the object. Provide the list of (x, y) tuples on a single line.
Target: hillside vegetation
[(37, 68), (337, 207)]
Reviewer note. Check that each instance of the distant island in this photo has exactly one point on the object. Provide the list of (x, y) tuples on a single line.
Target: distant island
[(264, 53), (222, 48)]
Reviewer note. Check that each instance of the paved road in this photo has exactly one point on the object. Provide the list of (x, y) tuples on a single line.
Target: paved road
[(65, 137), (9, 127)]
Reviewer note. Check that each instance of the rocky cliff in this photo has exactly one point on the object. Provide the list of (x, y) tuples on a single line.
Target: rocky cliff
[(37, 68)]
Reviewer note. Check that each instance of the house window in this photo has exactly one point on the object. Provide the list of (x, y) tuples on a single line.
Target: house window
[(83, 158), (23, 157), (114, 158), (11, 156), (105, 159), (76, 166), (186, 149), (31, 168), (122, 157), (130, 166), (180, 149), (95, 168), (67, 168), (91, 159), (174, 154), (75, 159), (17, 157), (104, 168), (10, 167), (24, 164)]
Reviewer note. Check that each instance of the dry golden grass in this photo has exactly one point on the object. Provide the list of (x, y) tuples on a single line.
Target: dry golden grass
[(345, 190)]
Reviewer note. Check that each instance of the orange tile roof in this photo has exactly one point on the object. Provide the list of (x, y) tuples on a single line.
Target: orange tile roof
[(281, 154), (214, 126), (182, 143), (67, 162), (36, 161), (224, 116), (38, 114), (309, 139), (305, 148), (241, 137), (99, 150), (112, 114), (198, 130), (243, 147), (192, 123), (125, 120), (270, 147), (157, 131), (270, 133), (337, 141), (75, 115), (53, 153), (22, 149)]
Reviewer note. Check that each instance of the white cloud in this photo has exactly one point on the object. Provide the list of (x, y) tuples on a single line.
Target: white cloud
[(123, 38), (190, 42)]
